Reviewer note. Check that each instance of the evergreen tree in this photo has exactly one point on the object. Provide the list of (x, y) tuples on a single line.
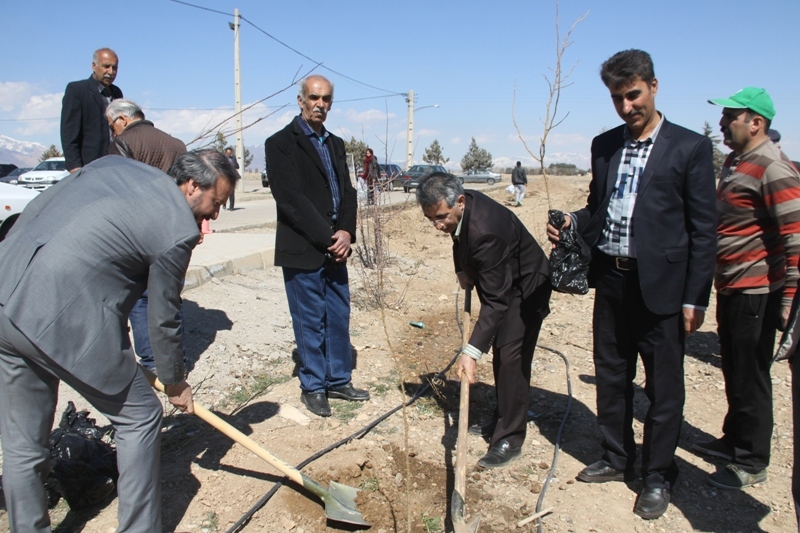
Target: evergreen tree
[(433, 154), (52, 151), (719, 157), (476, 157), (358, 149)]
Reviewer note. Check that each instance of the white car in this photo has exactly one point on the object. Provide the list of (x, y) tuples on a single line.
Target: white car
[(13, 200), (45, 174)]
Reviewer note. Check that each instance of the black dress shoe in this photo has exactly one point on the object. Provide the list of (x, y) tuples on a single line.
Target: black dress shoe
[(600, 472), (317, 403), (652, 503), (500, 455), (350, 393)]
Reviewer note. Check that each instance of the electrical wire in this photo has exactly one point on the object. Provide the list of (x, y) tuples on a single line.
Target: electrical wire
[(438, 377)]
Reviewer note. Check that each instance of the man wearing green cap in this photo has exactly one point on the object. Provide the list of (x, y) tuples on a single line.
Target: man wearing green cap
[(758, 247)]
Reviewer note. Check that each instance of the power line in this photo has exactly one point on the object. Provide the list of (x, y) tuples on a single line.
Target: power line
[(301, 54)]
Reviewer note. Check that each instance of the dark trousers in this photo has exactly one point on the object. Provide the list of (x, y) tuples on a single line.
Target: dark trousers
[(232, 199), (511, 364), (625, 328), (29, 382), (746, 324)]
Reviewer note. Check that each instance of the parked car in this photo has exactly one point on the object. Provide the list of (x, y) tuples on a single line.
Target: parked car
[(410, 178), (13, 200), (13, 177), (482, 175), (388, 174), (45, 174), (264, 178), (6, 168)]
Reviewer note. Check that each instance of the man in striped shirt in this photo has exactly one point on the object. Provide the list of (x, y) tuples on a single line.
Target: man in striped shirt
[(758, 246)]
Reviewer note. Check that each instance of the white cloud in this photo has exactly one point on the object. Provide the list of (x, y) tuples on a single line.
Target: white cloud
[(188, 124), (42, 111), (14, 94), (455, 140), (368, 117)]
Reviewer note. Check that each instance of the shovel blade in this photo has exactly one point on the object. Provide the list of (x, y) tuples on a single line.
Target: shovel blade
[(339, 500), (458, 512)]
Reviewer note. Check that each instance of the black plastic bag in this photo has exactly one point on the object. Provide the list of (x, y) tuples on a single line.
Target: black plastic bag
[(83, 467), (569, 260)]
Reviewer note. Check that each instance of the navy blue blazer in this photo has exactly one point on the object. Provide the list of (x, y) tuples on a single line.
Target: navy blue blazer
[(674, 219)]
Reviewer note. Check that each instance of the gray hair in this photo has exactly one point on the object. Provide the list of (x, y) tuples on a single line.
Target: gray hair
[(204, 167), (123, 108), (439, 186), (99, 50), (302, 86)]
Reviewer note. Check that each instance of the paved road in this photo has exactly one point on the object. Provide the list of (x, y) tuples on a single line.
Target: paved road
[(255, 207)]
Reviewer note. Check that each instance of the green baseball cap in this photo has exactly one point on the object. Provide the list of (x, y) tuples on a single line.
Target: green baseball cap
[(752, 98)]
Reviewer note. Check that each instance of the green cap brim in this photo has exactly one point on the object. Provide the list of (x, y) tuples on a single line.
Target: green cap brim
[(727, 102)]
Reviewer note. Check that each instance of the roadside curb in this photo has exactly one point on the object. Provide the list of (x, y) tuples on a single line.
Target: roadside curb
[(227, 254)]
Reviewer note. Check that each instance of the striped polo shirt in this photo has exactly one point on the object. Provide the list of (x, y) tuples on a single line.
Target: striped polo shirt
[(758, 229)]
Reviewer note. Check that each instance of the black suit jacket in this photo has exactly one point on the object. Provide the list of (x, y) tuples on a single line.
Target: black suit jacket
[(504, 261), (674, 219), (303, 198), (84, 128)]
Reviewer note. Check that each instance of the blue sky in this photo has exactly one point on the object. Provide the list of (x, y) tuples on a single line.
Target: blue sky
[(176, 61)]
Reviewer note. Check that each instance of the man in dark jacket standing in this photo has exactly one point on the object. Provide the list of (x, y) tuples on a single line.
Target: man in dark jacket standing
[(316, 225), (650, 219), (84, 131), (495, 253), (234, 164)]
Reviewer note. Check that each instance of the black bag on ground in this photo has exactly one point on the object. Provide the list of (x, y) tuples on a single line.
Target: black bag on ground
[(569, 260), (83, 467)]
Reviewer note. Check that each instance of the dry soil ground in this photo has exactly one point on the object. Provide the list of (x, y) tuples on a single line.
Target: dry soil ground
[(241, 334)]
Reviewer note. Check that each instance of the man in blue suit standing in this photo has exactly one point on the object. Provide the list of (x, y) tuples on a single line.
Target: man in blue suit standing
[(85, 135), (651, 222)]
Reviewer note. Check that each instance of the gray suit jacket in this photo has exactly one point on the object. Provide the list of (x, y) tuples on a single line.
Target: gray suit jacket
[(80, 256)]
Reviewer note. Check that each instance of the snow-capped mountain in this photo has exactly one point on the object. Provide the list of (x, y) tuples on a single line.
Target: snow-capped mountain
[(21, 153)]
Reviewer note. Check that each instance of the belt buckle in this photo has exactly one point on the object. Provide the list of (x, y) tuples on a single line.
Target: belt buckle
[(622, 263)]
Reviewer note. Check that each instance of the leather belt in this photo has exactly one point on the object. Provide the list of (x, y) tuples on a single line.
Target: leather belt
[(625, 263)]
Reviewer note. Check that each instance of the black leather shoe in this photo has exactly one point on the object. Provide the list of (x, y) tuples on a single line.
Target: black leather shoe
[(317, 403), (652, 503), (350, 393), (600, 472), (500, 455)]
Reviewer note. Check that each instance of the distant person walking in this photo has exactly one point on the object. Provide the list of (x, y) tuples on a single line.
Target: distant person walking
[(371, 174), (235, 164), (84, 131), (519, 179)]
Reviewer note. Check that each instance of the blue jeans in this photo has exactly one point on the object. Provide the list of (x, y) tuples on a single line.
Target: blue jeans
[(141, 335), (319, 302)]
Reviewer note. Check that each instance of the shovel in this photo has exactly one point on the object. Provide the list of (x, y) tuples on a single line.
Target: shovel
[(339, 500), (458, 510)]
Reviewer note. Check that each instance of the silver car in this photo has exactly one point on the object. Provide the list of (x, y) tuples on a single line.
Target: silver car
[(480, 176)]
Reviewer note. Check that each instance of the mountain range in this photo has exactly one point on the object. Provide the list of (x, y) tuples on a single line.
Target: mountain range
[(21, 153)]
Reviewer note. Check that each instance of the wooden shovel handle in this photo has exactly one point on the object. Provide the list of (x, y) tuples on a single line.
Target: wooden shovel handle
[(463, 406), (233, 433)]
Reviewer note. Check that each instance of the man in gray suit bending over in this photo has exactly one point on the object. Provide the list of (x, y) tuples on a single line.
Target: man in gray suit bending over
[(74, 264)]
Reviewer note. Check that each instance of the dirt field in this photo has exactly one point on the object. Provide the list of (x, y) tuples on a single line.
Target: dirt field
[(241, 334)]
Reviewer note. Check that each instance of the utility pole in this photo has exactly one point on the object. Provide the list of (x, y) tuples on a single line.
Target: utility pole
[(237, 86), (410, 133)]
